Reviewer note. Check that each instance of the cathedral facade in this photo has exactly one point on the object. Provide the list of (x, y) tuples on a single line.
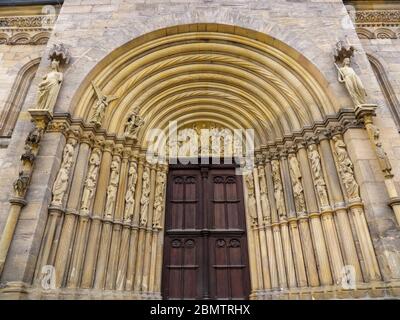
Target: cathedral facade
[(199, 149)]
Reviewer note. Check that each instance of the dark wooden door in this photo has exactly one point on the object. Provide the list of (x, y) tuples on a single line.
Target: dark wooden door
[(205, 248)]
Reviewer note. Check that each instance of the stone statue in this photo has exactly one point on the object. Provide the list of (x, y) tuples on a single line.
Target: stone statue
[(101, 105), (383, 158), (346, 169), (354, 86), (49, 88), (266, 209), (296, 177), (251, 199), (91, 178), (61, 183), (21, 184), (133, 125), (278, 189), (319, 181), (130, 193), (112, 188), (144, 200), (159, 199)]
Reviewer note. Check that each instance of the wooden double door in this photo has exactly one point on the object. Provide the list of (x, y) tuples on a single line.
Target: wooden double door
[(205, 247)]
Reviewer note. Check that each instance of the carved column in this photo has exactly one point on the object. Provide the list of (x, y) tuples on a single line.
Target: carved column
[(351, 188), (343, 224), (261, 232), (252, 222), (68, 228), (266, 222), (133, 248), (98, 209), (275, 229), (106, 231), (158, 223), (127, 220), (283, 221), (149, 231), (143, 218), (57, 206), (306, 245), (117, 226), (321, 253), (83, 219)]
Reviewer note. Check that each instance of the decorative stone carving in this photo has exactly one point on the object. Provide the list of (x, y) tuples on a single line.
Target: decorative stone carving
[(278, 189), (59, 53), (21, 184), (134, 123), (383, 158), (49, 88), (112, 188), (251, 198), (101, 105), (34, 136), (130, 193), (319, 181), (159, 198), (346, 169), (28, 155), (91, 178), (295, 175), (266, 208), (61, 183), (145, 197)]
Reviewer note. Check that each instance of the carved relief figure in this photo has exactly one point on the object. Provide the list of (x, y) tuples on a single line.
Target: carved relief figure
[(21, 184), (130, 193), (346, 169), (296, 177), (101, 105), (91, 178), (144, 200), (49, 88), (319, 181), (61, 183), (135, 121), (159, 199), (354, 86), (383, 158), (278, 189), (112, 188), (266, 209), (251, 199)]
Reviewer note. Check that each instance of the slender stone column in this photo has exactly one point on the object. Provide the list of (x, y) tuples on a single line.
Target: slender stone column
[(57, 207), (274, 233), (297, 176), (283, 221), (351, 189), (68, 229), (292, 209), (321, 253), (106, 231), (267, 220), (149, 232), (98, 209), (135, 226), (143, 218), (261, 232), (126, 229), (158, 223), (343, 223), (251, 222)]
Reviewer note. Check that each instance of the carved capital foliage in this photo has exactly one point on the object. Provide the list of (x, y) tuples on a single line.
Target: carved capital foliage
[(58, 125)]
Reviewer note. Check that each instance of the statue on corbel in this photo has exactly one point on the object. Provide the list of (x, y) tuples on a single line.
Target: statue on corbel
[(50, 85), (101, 105)]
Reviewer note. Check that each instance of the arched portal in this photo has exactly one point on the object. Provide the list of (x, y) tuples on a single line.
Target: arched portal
[(302, 208)]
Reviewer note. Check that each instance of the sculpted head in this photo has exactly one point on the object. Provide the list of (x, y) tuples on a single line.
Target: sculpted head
[(55, 64)]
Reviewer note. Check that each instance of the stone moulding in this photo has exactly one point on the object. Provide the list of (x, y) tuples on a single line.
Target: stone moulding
[(26, 30), (377, 24)]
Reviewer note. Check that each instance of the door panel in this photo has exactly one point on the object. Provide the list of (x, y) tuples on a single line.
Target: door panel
[(205, 252)]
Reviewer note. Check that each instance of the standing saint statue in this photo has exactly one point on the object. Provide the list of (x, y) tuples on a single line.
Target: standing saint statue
[(91, 178), (144, 200), (354, 86), (159, 199), (130, 193), (251, 199), (49, 88), (101, 105)]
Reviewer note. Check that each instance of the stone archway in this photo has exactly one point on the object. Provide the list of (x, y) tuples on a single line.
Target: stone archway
[(304, 212)]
